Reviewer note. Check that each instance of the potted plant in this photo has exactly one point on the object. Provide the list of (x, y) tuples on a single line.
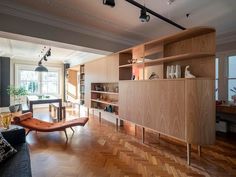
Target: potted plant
[(234, 96), (17, 93)]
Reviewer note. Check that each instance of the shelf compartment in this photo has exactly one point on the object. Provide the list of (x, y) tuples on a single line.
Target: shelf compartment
[(178, 58), (105, 102), (130, 65), (103, 92), (110, 113)]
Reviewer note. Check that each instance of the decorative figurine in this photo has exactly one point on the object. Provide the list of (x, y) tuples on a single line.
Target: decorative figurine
[(187, 73)]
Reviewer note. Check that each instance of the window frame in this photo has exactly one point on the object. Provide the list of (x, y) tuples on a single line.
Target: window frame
[(229, 78), (19, 67), (217, 59)]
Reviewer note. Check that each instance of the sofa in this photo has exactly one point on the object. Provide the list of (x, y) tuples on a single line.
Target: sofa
[(18, 165)]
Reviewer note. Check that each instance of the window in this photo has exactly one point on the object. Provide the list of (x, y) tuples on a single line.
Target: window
[(217, 79), (50, 82), (29, 80), (38, 82), (231, 77)]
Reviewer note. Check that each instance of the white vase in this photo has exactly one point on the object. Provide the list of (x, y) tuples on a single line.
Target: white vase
[(172, 72), (168, 72), (177, 71)]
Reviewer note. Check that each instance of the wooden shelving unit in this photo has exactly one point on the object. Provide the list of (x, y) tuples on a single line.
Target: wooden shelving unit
[(183, 109), (82, 85), (178, 49), (104, 96)]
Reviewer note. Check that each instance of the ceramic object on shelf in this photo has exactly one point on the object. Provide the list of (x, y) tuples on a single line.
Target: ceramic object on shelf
[(177, 71), (153, 76), (168, 72), (187, 73), (172, 71)]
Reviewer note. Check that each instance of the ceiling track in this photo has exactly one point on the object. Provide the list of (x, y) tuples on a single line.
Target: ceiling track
[(156, 14)]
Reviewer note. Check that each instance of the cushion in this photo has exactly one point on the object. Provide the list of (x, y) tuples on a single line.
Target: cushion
[(6, 150), (23, 117)]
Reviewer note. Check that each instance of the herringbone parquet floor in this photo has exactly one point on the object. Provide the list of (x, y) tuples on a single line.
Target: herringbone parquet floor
[(98, 150)]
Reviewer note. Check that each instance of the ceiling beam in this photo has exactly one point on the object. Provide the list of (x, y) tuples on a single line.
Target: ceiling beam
[(156, 14)]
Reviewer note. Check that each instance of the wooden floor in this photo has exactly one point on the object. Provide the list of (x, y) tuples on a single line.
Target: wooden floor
[(98, 150)]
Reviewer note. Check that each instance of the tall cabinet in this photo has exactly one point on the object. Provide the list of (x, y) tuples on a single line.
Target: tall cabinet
[(181, 108)]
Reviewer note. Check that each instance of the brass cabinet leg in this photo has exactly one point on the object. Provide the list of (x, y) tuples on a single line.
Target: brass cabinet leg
[(100, 117), (188, 153), (143, 134), (199, 150)]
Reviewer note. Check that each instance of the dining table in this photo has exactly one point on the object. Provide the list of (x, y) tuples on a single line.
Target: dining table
[(35, 99)]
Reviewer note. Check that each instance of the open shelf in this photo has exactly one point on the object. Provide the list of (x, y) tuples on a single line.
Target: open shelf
[(105, 102), (112, 93), (178, 58), (130, 65), (106, 112)]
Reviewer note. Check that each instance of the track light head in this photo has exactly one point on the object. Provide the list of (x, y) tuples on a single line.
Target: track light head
[(109, 3), (143, 15)]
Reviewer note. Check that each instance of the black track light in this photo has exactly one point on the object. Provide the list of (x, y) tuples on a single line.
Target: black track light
[(40, 67), (109, 3), (143, 15), (49, 53)]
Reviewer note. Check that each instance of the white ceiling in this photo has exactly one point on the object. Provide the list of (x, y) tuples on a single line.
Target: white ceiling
[(119, 24), (32, 52)]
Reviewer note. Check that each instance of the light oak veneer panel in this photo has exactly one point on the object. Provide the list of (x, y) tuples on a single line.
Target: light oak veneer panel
[(158, 105), (131, 100), (202, 44), (138, 52), (200, 111), (103, 70)]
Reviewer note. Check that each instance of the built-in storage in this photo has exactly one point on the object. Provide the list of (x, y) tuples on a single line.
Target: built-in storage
[(180, 108), (104, 96), (175, 106), (82, 85)]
